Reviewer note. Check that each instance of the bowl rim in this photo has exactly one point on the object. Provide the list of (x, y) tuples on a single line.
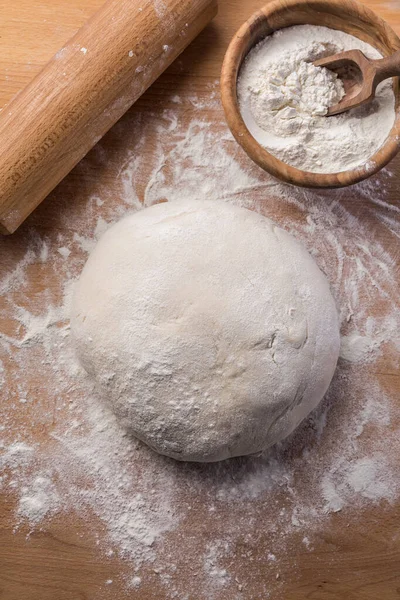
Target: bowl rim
[(238, 49)]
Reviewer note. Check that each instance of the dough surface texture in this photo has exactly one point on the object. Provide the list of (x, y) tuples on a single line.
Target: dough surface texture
[(211, 332)]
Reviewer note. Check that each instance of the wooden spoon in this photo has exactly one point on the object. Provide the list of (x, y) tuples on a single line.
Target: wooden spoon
[(360, 76)]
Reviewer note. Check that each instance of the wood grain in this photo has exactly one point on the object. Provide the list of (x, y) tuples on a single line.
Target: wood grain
[(353, 558), (346, 15), (86, 87)]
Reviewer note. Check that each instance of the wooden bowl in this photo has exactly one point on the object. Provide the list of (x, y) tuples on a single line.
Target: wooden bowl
[(345, 15)]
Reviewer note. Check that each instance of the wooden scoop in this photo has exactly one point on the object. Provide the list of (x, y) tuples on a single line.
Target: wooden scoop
[(360, 76)]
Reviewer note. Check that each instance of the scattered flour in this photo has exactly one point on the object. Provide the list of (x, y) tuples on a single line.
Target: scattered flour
[(283, 98), (219, 576), (38, 499), (65, 252), (210, 524), (356, 347), (366, 476), (136, 581), (160, 8), (15, 455)]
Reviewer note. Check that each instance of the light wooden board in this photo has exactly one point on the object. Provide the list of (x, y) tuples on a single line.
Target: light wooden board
[(351, 561)]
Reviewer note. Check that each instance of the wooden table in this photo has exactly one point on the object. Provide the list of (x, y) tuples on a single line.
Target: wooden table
[(350, 560)]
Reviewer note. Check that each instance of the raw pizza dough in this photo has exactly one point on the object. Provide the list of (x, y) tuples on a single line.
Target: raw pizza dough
[(211, 332)]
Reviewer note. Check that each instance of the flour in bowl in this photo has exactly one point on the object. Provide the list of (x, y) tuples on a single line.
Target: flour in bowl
[(284, 98)]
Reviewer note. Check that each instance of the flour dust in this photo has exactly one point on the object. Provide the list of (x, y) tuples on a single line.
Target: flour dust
[(60, 448)]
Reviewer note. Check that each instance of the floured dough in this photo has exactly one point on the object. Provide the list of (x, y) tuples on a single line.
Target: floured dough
[(211, 332)]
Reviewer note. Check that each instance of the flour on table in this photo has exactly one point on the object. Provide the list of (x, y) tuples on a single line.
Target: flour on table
[(16, 455), (38, 499), (171, 522), (219, 576), (283, 98), (357, 348)]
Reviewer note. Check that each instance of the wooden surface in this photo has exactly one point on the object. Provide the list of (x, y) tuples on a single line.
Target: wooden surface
[(357, 560), (87, 86)]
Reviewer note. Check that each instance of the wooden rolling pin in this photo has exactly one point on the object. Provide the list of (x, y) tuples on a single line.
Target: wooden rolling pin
[(84, 89)]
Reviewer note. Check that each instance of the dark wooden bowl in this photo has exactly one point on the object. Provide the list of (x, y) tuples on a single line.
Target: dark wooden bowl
[(345, 15)]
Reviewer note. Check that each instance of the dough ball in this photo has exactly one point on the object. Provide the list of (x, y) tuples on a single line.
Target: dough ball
[(211, 332)]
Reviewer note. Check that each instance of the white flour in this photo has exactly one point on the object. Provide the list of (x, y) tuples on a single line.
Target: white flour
[(38, 499), (62, 453), (283, 99)]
